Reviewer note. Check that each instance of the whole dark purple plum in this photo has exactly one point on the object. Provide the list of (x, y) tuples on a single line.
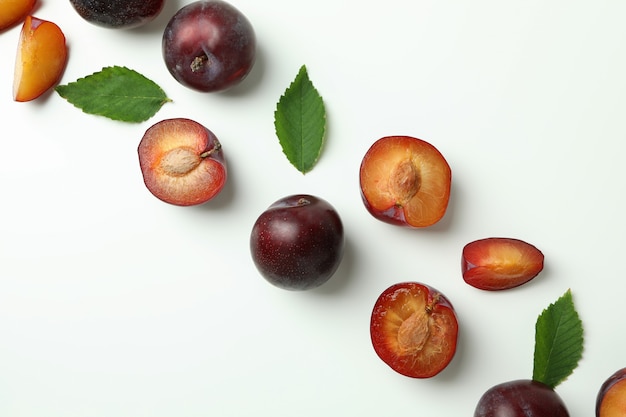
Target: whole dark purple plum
[(521, 398), (209, 45), (298, 242), (124, 14)]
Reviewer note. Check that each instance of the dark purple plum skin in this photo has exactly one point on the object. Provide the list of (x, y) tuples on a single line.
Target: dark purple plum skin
[(118, 14), (298, 242), (521, 398), (209, 45)]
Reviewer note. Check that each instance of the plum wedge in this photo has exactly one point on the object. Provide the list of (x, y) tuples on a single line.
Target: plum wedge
[(14, 11), (41, 59), (498, 263)]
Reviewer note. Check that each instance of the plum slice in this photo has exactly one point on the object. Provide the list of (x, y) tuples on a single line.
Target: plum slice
[(498, 263), (41, 59)]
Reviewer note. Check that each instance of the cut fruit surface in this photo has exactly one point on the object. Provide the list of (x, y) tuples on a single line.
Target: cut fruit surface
[(182, 162), (500, 263), (414, 329), (611, 399), (14, 11), (41, 59), (405, 181)]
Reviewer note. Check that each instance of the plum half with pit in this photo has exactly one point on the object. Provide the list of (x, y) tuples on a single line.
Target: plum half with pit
[(414, 329), (118, 14), (611, 399), (405, 181), (182, 162), (209, 45), (298, 242)]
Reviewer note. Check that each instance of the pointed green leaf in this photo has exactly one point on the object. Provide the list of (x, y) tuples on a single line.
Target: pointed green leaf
[(115, 92), (558, 342), (300, 122)]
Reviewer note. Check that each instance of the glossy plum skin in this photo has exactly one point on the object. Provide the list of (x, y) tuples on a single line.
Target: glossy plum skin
[(118, 14), (611, 399), (209, 46), (298, 242), (521, 398)]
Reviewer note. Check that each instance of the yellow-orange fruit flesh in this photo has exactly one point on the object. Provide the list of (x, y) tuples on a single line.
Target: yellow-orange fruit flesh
[(614, 401), (14, 11), (41, 59), (405, 180)]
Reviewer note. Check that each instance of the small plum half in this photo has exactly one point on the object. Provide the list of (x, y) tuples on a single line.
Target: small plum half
[(182, 162), (611, 399), (414, 329), (405, 181)]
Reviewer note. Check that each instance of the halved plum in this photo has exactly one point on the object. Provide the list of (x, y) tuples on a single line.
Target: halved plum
[(611, 399), (405, 181), (414, 329), (182, 162)]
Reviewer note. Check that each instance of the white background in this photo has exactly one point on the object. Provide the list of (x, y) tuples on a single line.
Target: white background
[(113, 303)]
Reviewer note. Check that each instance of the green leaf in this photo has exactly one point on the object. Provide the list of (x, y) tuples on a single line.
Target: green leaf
[(300, 122), (558, 342), (115, 92)]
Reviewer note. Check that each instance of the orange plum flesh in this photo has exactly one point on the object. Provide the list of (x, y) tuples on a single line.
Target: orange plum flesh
[(611, 400), (14, 11), (41, 59), (182, 162), (405, 181)]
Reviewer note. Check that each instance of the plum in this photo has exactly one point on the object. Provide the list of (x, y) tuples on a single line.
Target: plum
[(414, 329), (14, 11), (41, 58), (611, 399), (182, 162), (209, 45), (521, 398), (118, 14), (405, 181), (498, 263), (298, 242)]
